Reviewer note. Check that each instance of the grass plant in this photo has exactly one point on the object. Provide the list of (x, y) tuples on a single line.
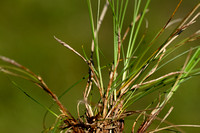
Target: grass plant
[(130, 76)]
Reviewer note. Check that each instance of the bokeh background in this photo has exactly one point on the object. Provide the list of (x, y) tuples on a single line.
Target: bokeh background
[(27, 28)]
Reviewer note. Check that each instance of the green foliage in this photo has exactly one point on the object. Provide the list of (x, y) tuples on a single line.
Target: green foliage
[(127, 84)]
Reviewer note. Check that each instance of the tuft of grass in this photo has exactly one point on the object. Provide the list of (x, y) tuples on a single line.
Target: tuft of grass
[(127, 84)]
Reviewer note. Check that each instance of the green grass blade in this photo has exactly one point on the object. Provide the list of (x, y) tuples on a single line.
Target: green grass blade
[(174, 58), (123, 14), (95, 42), (132, 38), (62, 94), (188, 69), (193, 62), (138, 28), (72, 86), (45, 107)]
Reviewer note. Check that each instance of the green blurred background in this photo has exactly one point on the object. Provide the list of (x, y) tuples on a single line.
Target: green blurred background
[(27, 28)]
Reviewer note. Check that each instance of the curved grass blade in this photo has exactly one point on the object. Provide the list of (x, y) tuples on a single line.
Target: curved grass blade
[(22, 73)]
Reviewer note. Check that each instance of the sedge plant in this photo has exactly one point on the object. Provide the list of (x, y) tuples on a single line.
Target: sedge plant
[(130, 72)]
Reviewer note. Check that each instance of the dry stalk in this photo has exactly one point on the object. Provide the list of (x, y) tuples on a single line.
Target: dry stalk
[(86, 61), (40, 83), (157, 110), (91, 72), (134, 124), (165, 117), (154, 80), (173, 126), (165, 26), (128, 29), (112, 75)]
